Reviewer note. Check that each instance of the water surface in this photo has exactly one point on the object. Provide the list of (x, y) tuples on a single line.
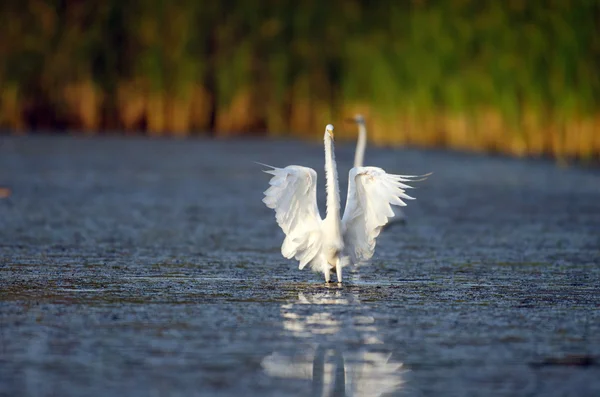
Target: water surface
[(140, 267)]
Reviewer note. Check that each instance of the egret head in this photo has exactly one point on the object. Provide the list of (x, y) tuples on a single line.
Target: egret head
[(329, 130), (358, 119)]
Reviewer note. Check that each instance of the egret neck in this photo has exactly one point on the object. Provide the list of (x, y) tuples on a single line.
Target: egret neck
[(360, 145), (332, 219)]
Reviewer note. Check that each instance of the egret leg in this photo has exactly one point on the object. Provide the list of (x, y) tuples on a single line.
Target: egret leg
[(327, 272), (338, 270)]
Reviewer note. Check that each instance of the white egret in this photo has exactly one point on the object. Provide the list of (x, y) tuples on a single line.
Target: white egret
[(333, 367), (359, 156), (333, 242)]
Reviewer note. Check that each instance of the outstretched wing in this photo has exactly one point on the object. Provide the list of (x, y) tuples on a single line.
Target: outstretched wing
[(371, 192), (293, 196)]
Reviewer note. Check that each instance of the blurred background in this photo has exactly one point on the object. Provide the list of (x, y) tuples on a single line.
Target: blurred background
[(515, 76), (150, 267)]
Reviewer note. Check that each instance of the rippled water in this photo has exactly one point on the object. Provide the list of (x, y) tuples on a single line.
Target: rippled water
[(142, 267)]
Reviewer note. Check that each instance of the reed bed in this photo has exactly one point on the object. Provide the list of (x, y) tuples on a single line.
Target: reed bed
[(515, 76)]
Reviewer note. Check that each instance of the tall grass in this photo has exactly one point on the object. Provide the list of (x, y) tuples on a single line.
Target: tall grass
[(512, 76)]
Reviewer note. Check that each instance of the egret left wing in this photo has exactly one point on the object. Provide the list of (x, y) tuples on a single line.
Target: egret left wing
[(371, 192), (293, 196)]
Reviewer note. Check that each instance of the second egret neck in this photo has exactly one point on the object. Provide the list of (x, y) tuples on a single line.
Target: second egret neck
[(360, 145)]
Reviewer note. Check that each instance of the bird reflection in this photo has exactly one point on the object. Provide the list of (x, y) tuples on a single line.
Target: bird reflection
[(345, 355), (339, 374)]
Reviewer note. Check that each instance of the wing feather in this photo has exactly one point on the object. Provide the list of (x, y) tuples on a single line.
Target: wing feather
[(371, 192), (293, 195)]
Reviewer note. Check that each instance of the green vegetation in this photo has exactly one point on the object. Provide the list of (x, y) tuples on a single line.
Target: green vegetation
[(514, 76)]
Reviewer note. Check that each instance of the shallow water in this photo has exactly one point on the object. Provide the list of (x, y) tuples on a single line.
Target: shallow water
[(141, 267)]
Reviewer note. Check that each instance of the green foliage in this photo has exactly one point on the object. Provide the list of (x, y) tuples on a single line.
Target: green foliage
[(426, 55)]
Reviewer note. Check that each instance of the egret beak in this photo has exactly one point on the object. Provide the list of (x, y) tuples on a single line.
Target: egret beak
[(329, 130)]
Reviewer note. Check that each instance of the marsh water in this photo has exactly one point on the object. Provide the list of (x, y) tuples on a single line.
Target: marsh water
[(140, 267)]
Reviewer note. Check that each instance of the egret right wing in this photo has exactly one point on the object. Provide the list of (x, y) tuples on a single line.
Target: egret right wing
[(371, 193), (293, 196)]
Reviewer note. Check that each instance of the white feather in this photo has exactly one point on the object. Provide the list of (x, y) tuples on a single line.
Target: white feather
[(293, 196), (371, 192)]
